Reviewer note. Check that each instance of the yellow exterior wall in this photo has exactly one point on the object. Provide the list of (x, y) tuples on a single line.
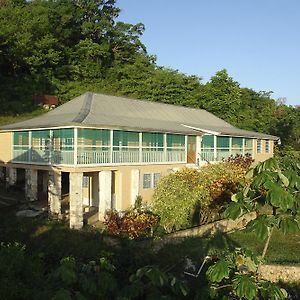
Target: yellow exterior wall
[(263, 155), (5, 146), (123, 179)]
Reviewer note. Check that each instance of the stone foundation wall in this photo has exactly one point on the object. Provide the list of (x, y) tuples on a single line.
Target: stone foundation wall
[(218, 226), (212, 228)]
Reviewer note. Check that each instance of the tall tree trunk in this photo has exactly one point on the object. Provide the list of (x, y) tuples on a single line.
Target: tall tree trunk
[(267, 242)]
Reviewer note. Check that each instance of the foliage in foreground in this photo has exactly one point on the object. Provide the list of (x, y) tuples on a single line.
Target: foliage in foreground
[(71, 279), (275, 188), (235, 277), (68, 264), (231, 277), (191, 197), (274, 193)]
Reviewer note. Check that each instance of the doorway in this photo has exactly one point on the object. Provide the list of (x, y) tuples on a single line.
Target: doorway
[(191, 149)]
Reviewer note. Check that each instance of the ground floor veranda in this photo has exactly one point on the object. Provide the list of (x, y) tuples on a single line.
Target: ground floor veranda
[(81, 195)]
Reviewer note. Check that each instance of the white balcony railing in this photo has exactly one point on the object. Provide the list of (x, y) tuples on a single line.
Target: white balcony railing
[(220, 155), (100, 156), (92, 157)]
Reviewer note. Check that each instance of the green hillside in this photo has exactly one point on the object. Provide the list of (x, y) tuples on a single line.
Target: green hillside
[(66, 48)]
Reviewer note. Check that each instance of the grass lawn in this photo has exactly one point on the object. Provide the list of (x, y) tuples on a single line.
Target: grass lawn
[(283, 249)]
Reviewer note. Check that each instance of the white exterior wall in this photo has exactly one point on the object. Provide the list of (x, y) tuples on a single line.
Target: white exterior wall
[(104, 193), (135, 185)]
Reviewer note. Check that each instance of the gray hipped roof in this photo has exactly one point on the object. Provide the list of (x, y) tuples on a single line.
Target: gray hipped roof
[(104, 111)]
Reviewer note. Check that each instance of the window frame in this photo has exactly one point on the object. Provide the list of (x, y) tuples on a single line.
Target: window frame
[(258, 146), (267, 146), (154, 179)]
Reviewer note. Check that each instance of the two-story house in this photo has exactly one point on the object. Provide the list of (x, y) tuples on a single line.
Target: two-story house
[(104, 150)]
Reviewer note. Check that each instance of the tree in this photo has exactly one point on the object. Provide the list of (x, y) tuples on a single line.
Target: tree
[(222, 97), (277, 188)]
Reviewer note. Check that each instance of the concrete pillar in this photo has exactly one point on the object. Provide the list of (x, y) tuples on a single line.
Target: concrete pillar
[(11, 178), (135, 185), (104, 193), (54, 193), (76, 201), (31, 185)]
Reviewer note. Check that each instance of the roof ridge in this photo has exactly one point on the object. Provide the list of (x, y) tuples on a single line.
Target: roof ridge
[(154, 102), (85, 109)]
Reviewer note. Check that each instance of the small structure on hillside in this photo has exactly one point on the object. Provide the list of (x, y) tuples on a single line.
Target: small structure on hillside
[(46, 101)]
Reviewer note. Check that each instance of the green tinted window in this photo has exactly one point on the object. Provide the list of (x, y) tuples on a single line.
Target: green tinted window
[(153, 139), (40, 138), (21, 138), (248, 143), (175, 140), (63, 139), (126, 138), (66, 136), (41, 134), (222, 142), (95, 137), (207, 141), (237, 142)]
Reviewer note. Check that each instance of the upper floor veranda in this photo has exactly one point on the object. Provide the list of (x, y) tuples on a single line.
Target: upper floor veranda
[(79, 146)]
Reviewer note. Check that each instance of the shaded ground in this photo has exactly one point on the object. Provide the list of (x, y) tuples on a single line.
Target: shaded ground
[(8, 197)]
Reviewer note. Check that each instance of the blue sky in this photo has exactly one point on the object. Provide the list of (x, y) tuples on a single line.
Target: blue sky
[(257, 41)]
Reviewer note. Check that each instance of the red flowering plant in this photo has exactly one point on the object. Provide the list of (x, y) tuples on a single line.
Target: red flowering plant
[(134, 223)]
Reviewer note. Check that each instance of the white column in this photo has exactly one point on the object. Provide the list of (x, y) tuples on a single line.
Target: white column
[(31, 184), (140, 147), (54, 193), (76, 201), (230, 145), (111, 137), (75, 142), (135, 185), (215, 148), (11, 174), (165, 148), (243, 151), (30, 145), (104, 193), (198, 149)]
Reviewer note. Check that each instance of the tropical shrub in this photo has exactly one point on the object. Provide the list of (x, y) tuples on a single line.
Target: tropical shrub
[(275, 186), (134, 223), (19, 274), (244, 161), (191, 197), (175, 198)]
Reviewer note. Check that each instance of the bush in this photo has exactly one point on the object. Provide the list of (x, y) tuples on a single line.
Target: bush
[(244, 161), (134, 223), (191, 197)]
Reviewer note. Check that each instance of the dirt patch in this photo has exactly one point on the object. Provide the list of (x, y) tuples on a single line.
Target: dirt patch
[(277, 273)]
